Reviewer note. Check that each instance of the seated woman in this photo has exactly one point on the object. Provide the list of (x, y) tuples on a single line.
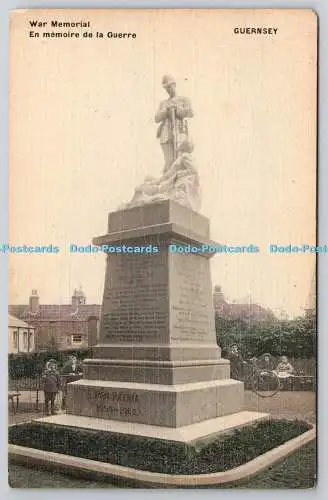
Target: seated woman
[(284, 368)]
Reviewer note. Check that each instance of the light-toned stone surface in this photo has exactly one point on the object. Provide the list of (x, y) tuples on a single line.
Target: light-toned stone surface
[(157, 361), (136, 299), (155, 404), (156, 234), (147, 352), (186, 434), (191, 305), (161, 298), (180, 183), (158, 213), (156, 373), (228, 398)]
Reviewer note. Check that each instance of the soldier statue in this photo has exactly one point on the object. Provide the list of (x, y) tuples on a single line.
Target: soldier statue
[(172, 117), (179, 180)]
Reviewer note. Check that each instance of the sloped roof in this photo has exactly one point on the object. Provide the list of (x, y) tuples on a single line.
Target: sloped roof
[(248, 307), (249, 310), (240, 311), (57, 312), (17, 323)]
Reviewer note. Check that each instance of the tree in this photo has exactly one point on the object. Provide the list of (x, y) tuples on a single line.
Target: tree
[(294, 337)]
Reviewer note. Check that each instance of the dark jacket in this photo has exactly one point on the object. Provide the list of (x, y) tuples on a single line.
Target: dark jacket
[(68, 368), (51, 381)]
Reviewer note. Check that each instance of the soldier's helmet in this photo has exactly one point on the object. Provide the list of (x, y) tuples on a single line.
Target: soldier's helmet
[(168, 80)]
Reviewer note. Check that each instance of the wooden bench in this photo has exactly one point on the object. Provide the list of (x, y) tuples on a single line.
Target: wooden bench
[(22, 384), (11, 397)]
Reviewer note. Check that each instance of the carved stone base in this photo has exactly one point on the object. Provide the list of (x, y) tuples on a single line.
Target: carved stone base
[(155, 404), (184, 434), (157, 361), (156, 372), (140, 352)]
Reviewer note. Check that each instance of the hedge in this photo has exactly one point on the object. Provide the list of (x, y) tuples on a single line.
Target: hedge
[(32, 364), (295, 338), (223, 453)]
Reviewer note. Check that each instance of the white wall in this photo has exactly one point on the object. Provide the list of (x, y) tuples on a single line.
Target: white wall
[(21, 343)]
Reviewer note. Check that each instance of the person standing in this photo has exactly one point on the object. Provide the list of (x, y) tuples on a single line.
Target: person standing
[(72, 370), (236, 362), (72, 367), (51, 385)]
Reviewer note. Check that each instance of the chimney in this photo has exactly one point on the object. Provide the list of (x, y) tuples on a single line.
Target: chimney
[(218, 294), (34, 302), (93, 330), (218, 299), (78, 297)]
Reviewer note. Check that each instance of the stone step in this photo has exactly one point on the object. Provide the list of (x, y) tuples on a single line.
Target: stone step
[(151, 352), (186, 434), (156, 372)]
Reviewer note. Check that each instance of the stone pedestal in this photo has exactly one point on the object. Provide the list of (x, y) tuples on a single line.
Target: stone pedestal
[(157, 361)]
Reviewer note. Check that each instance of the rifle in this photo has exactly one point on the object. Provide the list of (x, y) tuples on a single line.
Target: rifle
[(174, 133)]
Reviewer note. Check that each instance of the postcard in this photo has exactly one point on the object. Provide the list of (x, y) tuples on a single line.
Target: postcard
[(162, 248)]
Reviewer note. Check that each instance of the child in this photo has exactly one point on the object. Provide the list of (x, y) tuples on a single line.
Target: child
[(51, 385), (284, 368)]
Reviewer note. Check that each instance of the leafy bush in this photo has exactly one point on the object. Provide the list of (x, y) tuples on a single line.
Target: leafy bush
[(223, 453), (32, 364), (294, 338)]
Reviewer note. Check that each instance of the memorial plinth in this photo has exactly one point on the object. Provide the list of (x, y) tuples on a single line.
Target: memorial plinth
[(157, 361), (157, 370)]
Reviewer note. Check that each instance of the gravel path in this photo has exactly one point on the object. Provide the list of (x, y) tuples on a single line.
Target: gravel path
[(301, 405), (24, 477)]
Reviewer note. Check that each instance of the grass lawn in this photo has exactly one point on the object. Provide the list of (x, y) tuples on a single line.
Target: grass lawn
[(25, 477), (295, 471)]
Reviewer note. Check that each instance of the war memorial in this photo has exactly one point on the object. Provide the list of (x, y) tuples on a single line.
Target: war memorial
[(156, 390), (157, 369)]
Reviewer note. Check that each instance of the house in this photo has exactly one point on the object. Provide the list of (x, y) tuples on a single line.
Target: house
[(250, 313), (58, 326), (21, 335)]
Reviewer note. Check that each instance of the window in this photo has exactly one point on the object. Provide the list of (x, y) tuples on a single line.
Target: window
[(15, 339), (76, 339), (25, 341), (30, 341)]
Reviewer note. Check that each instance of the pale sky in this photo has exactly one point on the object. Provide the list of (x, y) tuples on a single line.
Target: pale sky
[(82, 136)]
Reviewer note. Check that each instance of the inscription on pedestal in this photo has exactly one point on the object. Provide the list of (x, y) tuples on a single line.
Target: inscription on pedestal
[(115, 404), (135, 299), (192, 316)]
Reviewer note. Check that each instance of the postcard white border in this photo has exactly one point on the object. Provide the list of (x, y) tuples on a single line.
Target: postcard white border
[(321, 8)]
